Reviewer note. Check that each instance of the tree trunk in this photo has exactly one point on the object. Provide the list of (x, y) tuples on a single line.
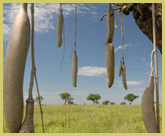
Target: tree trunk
[(130, 103), (142, 13)]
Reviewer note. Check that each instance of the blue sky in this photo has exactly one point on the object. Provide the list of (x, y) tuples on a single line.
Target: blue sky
[(90, 50)]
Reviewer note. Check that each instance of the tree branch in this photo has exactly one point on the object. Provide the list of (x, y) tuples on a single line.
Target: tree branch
[(142, 13)]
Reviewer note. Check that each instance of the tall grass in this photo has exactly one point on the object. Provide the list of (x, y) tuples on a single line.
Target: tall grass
[(89, 119)]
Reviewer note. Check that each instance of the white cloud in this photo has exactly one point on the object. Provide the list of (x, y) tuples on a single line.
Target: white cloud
[(91, 71), (6, 31), (79, 93), (45, 15), (147, 64), (144, 59), (132, 83), (147, 73), (120, 47)]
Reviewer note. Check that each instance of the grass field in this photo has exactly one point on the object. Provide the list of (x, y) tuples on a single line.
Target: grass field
[(89, 119)]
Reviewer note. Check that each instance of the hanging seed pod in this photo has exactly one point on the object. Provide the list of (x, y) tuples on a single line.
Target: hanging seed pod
[(120, 69), (110, 24), (110, 63), (124, 76), (148, 108), (74, 70), (28, 126), (60, 22), (14, 70)]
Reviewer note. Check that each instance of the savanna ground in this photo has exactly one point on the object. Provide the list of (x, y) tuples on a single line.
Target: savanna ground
[(90, 119)]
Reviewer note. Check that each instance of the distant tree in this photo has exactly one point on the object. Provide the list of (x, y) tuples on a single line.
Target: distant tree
[(105, 102), (38, 98), (97, 102), (66, 97), (112, 103), (123, 103), (70, 102), (130, 97), (94, 98)]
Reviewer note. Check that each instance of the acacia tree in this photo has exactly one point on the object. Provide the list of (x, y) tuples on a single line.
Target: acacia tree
[(38, 98), (94, 98), (112, 103), (70, 100), (130, 97), (123, 103), (106, 102), (66, 97)]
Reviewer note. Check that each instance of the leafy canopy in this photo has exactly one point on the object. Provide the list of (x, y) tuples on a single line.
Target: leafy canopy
[(66, 97), (38, 99), (106, 102), (123, 103), (94, 98), (130, 97), (112, 103)]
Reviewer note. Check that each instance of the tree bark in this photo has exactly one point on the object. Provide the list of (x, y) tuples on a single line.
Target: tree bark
[(142, 13)]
